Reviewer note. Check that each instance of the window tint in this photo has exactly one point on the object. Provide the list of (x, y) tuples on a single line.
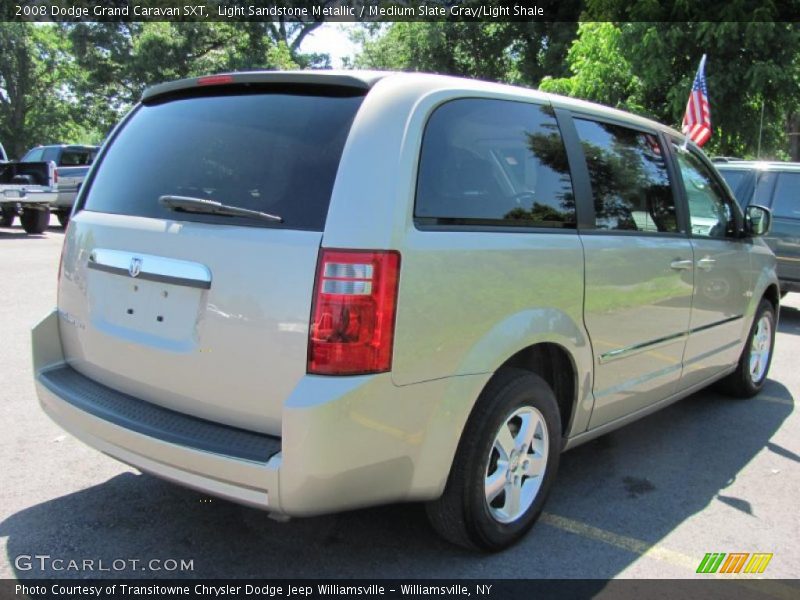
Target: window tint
[(75, 158), (51, 154), (741, 184), (711, 213), (766, 182), (630, 185), (494, 162), (786, 201), (276, 153), (34, 155)]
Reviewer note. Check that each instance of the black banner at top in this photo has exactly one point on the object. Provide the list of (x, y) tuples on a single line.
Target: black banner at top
[(386, 10)]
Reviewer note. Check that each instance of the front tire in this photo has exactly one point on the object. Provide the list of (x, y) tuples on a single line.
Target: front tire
[(751, 373), (63, 218), (35, 220), (504, 466)]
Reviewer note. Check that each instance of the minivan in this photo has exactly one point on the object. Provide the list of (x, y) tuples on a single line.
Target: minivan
[(311, 292), (775, 185)]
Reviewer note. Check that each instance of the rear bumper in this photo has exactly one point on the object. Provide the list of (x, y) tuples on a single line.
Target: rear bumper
[(28, 197), (346, 442), (97, 416)]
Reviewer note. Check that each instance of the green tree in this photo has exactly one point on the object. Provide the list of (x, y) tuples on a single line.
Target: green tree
[(519, 53), (119, 60), (599, 69), (753, 50), (37, 100)]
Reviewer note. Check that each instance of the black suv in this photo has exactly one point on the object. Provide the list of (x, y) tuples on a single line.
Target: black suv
[(775, 185)]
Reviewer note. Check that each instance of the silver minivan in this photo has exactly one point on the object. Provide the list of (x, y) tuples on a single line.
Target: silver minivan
[(315, 291)]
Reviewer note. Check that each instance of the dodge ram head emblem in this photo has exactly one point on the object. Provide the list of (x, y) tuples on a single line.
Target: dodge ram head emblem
[(136, 267)]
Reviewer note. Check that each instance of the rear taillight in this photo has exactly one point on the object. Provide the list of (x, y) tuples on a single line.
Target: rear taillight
[(55, 175), (352, 313)]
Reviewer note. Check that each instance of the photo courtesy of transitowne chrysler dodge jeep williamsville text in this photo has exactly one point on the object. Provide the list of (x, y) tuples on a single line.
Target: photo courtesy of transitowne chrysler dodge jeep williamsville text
[(342, 289)]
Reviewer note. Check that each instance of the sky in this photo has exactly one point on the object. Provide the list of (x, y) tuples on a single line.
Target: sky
[(333, 39)]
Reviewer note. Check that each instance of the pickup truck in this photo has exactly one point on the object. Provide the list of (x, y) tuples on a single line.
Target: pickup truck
[(72, 165), (27, 189)]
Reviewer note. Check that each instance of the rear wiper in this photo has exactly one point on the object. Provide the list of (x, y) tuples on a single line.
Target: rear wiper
[(212, 207)]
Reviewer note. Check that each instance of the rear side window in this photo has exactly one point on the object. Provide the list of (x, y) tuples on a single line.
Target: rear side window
[(764, 187), (76, 158), (34, 155), (628, 172), (786, 200), (269, 152), (51, 154), (495, 163)]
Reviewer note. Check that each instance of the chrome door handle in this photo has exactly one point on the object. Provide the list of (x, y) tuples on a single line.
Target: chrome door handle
[(706, 263), (681, 265)]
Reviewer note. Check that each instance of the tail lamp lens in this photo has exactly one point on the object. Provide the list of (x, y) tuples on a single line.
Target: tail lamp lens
[(353, 312)]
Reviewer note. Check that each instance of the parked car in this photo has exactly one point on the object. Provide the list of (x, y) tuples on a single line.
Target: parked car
[(335, 290), (777, 186), (73, 163), (27, 189)]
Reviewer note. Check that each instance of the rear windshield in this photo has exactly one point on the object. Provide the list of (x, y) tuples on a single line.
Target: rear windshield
[(269, 152)]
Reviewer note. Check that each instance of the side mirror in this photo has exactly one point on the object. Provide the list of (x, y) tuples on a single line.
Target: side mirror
[(758, 220)]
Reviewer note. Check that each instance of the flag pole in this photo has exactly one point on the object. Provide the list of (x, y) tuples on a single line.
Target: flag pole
[(760, 129)]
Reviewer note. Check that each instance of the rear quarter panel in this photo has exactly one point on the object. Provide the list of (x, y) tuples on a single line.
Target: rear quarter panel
[(468, 300)]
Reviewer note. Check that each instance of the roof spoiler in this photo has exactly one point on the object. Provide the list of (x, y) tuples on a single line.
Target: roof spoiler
[(356, 81)]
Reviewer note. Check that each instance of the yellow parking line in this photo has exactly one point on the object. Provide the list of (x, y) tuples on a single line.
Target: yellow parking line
[(654, 551), (621, 541)]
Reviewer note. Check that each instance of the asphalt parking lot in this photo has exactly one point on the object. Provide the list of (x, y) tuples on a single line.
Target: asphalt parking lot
[(708, 474)]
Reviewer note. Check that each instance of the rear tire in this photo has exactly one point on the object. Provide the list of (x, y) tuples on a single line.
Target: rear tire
[(751, 373), (7, 217), (504, 466), (35, 220), (63, 218)]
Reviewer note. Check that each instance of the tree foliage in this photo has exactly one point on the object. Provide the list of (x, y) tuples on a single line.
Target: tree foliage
[(511, 52), (644, 62), (72, 82), (36, 100)]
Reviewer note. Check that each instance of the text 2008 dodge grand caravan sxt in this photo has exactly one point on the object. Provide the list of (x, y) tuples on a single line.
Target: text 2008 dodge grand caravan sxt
[(309, 292)]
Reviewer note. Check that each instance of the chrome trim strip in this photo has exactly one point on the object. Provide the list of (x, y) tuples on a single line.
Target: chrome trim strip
[(635, 348), (151, 268), (715, 323), (628, 350)]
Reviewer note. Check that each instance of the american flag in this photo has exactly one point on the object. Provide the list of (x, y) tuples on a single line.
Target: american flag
[(697, 120)]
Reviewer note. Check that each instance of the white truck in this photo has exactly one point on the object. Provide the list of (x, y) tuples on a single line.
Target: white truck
[(27, 189)]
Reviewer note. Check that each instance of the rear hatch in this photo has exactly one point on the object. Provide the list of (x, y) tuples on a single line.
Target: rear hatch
[(206, 314)]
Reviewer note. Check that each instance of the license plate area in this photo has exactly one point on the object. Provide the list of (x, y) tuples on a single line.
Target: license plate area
[(158, 306), (13, 194)]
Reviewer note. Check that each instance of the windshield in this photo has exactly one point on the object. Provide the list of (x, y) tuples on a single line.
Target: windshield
[(268, 152)]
